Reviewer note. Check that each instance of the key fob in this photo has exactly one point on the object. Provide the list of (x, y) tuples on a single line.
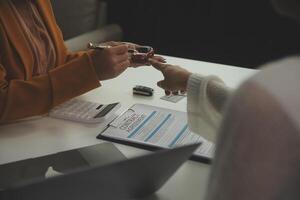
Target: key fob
[(143, 90)]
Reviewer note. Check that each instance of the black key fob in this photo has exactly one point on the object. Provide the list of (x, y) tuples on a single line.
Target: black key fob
[(143, 90)]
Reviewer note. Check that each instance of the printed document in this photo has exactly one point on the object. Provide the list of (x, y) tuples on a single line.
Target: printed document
[(159, 127)]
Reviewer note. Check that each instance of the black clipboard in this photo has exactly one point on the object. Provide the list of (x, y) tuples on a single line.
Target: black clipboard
[(145, 146)]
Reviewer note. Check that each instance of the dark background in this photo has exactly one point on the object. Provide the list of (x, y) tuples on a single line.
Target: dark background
[(236, 32)]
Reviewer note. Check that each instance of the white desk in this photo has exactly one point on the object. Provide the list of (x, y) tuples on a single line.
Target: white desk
[(46, 136)]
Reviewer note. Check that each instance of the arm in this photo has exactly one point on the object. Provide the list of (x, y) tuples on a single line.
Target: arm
[(21, 98), (257, 154), (207, 96)]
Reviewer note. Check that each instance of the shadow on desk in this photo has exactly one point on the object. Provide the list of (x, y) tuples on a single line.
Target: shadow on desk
[(151, 197)]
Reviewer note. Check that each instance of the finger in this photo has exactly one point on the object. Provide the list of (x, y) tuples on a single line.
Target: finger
[(112, 43), (158, 65), (182, 92), (118, 50), (122, 66), (125, 64), (136, 65), (159, 59), (122, 57), (139, 64), (161, 84), (167, 92), (131, 45)]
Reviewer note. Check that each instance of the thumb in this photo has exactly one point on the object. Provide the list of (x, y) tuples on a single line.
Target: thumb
[(162, 84), (158, 65)]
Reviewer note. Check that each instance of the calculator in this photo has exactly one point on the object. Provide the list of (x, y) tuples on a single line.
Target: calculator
[(84, 111)]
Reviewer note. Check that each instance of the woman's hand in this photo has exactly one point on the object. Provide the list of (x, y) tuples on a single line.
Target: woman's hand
[(110, 62), (176, 78), (156, 58), (134, 46), (135, 64)]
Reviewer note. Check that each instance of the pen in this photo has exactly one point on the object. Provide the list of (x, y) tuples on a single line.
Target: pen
[(101, 47)]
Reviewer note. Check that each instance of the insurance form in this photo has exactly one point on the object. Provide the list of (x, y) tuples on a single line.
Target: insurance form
[(158, 127)]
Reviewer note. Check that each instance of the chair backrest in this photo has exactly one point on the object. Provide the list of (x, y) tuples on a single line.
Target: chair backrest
[(76, 17)]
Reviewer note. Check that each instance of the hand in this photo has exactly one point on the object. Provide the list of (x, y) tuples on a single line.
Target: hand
[(114, 44), (176, 78), (156, 58), (110, 62), (134, 46)]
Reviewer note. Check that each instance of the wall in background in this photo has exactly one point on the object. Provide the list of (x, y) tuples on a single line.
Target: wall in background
[(242, 33)]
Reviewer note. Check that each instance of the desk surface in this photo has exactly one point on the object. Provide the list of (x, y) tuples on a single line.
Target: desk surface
[(45, 135)]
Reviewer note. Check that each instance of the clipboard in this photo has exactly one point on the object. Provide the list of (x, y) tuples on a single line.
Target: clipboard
[(154, 128)]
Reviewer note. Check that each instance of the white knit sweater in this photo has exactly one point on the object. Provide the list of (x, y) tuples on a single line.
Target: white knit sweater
[(206, 99), (258, 146)]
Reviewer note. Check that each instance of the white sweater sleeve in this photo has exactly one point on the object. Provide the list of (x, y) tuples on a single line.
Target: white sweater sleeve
[(205, 95)]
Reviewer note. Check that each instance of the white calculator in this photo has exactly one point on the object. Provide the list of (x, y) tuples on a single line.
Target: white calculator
[(84, 111)]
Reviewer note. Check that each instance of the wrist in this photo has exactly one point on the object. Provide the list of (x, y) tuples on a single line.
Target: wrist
[(185, 79), (93, 55)]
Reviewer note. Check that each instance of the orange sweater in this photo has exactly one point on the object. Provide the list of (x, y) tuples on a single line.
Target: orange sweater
[(21, 93)]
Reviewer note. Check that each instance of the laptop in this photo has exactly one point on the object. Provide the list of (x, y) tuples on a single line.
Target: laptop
[(123, 179)]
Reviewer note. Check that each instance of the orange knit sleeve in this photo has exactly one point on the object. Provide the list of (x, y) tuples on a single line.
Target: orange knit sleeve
[(26, 98)]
